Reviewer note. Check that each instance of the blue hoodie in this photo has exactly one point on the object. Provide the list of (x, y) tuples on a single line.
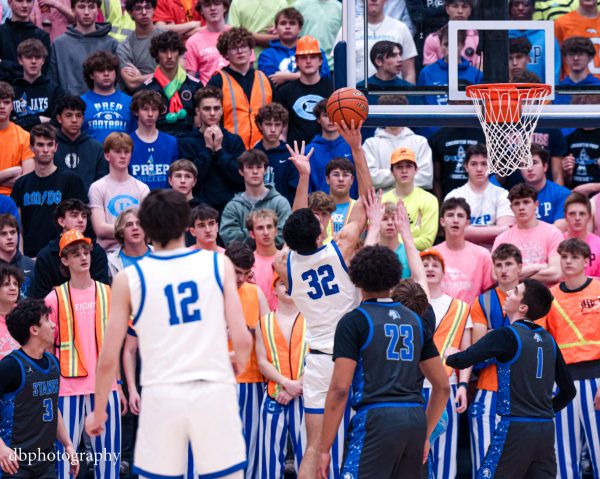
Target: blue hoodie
[(279, 58), (325, 151), (436, 74)]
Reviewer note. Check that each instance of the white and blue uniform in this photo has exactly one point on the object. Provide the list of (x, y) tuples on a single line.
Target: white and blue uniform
[(189, 391), (322, 290)]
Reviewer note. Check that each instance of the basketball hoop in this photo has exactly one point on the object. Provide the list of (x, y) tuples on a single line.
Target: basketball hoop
[(508, 113)]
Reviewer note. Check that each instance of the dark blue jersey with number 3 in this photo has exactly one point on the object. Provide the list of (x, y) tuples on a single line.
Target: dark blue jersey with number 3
[(28, 415)]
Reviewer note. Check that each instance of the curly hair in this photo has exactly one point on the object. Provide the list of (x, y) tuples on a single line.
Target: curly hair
[(27, 313), (98, 62), (237, 36), (274, 112), (375, 269), (166, 41), (301, 231)]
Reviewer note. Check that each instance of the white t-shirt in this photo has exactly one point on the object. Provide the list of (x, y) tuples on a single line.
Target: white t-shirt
[(390, 29), (487, 206), (440, 307)]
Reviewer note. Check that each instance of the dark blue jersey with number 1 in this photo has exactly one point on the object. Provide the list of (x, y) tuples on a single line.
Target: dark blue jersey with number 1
[(28, 415), (388, 341)]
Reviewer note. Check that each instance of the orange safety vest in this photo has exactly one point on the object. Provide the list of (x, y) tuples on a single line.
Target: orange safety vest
[(71, 363), (239, 114), (286, 357), (451, 328), (249, 298), (574, 323)]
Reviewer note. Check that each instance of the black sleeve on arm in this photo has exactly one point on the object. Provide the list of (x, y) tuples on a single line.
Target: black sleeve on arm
[(500, 344), (10, 376), (564, 381), (350, 334), (428, 324)]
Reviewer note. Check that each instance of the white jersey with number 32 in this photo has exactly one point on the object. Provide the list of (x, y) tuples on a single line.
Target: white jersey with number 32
[(178, 317), (321, 288)]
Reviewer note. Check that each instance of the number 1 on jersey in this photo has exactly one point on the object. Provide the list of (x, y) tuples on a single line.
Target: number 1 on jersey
[(187, 295), (540, 363)]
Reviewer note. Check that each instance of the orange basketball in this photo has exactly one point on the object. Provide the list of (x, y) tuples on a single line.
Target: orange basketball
[(347, 104)]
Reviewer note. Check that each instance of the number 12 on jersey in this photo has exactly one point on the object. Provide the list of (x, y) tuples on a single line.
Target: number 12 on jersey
[(182, 300)]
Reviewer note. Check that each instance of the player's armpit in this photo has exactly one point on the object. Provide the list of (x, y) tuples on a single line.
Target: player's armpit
[(280, 264)]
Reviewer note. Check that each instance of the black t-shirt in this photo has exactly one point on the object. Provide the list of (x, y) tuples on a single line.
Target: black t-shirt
[(584, 145), (449, 147), (525, 382), (37, 199), (299, 100), (388, 341)]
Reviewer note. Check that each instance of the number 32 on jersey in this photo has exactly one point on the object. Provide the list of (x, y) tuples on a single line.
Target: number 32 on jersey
[(320, 280)]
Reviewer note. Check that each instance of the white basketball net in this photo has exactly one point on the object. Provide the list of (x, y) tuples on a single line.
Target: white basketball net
[(509, 124)]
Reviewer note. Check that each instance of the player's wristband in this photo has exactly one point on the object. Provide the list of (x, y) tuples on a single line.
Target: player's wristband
[(463, 384), (119, 382)]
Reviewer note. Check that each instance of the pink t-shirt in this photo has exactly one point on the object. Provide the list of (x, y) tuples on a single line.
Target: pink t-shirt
[(7, 342), (84, 304), (593, 242), (468, 271), (202, 55), (53, 22), (537, 244), (112, 197), (263, 273)]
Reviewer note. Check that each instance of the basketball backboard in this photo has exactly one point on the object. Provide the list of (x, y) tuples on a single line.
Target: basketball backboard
[(432, 107)]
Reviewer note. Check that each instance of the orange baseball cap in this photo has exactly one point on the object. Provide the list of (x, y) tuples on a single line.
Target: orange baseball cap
[(70, 237), (436, 254), (402, 154), (307, 45)]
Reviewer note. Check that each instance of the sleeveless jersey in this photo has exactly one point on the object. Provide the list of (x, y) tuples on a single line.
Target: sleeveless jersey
[(29, 414), (321, 288), (388, 367), (525, 382), (178, 308)]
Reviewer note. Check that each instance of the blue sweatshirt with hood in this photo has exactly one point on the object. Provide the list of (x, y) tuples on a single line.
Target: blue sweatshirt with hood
[(325, 151), (436, 74)]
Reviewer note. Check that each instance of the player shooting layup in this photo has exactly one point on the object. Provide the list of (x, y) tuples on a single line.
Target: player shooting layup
[(318, 281), (184, 303)]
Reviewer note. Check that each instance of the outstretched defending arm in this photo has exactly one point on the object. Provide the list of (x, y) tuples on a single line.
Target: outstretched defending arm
[(412, 253)]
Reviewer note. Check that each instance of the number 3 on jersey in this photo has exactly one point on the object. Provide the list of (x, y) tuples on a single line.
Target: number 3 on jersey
[(407, 349), (320, 281), (182, 300)]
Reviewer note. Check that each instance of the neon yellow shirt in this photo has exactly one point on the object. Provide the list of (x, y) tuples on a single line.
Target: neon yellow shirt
[(423, 211)]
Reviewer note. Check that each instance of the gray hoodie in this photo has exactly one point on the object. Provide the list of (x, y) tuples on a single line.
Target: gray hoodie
[(233, 218), (70, 50)]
